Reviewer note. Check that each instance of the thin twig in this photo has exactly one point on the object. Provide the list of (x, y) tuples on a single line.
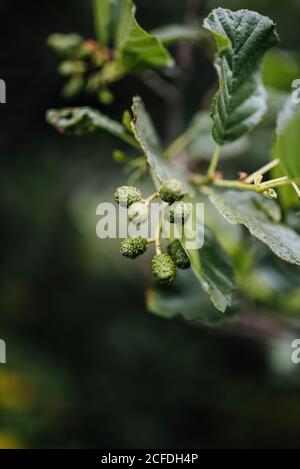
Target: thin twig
[(296, 188), (151, 198), (262, 171), (235, 185)]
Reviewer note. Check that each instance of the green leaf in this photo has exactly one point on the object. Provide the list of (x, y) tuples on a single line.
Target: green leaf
[(73, 87), (242, 37), (279, 70), (177, 32), (261, 217), (135, 45), (145, 133), (201, 145), (85, 120), (286, 194), (275, 102), (288, 139), (103, 15), (115, 22), (213, 269), (185, 299)]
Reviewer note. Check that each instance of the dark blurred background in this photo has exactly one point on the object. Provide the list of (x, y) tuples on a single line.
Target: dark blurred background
[(87, 365)]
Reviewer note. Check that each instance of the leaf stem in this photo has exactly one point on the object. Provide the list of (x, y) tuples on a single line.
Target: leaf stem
[(131, 141), (214, 162), (157, 238), (176, 147)]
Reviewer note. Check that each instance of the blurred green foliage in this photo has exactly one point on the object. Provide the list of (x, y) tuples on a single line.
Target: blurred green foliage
[(87, 366)]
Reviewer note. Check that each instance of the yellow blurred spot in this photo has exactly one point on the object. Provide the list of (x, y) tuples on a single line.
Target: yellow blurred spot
[(15, 391), (10, 441)]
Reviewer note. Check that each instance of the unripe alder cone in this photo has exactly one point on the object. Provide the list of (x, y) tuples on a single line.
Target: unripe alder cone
[(64, 44), (163, 269), (138, 212), (66, 68), (178, 254), (87, 49), (71, 67), (72, 88), (133, 247), (178, 212), (170, 191), (127, 195)]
